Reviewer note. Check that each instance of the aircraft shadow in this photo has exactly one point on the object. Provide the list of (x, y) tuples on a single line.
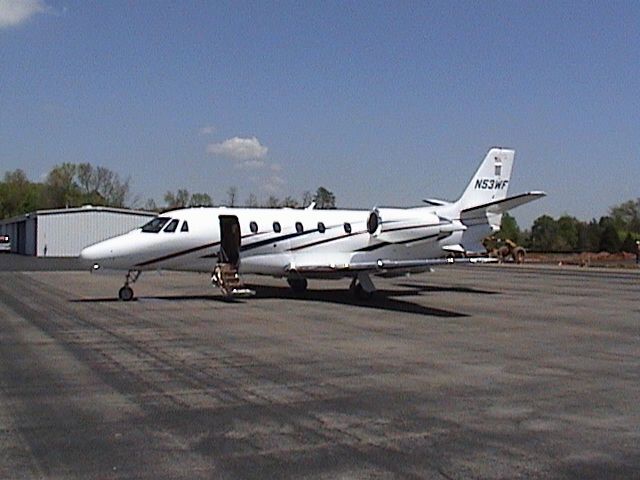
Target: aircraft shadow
[(384, 299), (435, 288), (173, 298)]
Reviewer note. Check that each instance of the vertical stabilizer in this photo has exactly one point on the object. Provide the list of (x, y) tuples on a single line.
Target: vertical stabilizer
[(491, 180)]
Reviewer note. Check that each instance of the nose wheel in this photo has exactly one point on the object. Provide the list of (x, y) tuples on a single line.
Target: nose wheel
[(126, 292)]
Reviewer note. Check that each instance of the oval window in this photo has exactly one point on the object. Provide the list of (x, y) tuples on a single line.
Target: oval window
[(253, 226), (347, 227), (321, 227), (299, 227), (276, 227)]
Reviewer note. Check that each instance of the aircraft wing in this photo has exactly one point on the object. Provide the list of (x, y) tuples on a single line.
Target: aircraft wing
[(499, 206), (381, 267)]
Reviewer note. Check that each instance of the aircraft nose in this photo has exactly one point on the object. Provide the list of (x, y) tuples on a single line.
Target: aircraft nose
[(95, 255), (92, 253)]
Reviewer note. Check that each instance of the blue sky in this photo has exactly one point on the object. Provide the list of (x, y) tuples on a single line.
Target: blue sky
[(384, 103)]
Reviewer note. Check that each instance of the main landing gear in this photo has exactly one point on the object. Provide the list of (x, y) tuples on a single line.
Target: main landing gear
[(126, 292), (298, 284), (362, 287)]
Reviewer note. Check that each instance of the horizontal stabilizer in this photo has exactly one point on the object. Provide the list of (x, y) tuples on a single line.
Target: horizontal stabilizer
[(435, 202), (499, 206)]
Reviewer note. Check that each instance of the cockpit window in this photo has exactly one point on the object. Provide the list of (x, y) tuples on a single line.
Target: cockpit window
[(185, 227), (173, 225), (155, 225)]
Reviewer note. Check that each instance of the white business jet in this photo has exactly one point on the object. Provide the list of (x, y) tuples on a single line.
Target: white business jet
[(301, 244)]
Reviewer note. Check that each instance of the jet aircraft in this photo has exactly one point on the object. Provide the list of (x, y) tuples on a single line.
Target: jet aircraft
[(302, 244)]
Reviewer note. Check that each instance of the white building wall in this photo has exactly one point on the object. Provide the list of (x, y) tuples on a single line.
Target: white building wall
[(65, 234)]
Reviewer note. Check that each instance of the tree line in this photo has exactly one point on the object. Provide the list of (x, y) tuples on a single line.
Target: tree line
[(66, 185), (73, 185), (616, 232)]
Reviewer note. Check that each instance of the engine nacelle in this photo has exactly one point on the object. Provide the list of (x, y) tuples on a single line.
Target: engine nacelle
[(397, 225)]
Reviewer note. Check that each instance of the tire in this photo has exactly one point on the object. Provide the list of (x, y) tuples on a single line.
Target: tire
[(125, 294), (298, 285), (518, 255), (360, 293)]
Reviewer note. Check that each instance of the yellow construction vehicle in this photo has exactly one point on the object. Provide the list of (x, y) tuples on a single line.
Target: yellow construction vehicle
[(505, 250)]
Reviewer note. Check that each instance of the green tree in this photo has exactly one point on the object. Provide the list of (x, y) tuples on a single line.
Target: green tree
[(609, 238), (178, 200), (568, 231), (18, 195), (544, 234), (324, 198), (200, 200), (509, 229), (61, 187), (626, 216)]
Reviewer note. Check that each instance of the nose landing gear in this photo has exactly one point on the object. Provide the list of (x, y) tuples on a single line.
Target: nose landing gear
[(126, 292)]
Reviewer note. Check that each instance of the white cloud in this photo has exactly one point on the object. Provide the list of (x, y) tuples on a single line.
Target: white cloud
[(245, 152), (15, 12), (238, 148), (207, 130)]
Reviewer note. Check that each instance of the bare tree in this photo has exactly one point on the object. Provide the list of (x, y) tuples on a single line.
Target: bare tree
[(289, 201), (252, 200), (272, 202), (232, 194), (307, 198)]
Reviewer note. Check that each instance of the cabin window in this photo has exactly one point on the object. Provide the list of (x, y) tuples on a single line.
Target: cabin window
[(172, 226), (155, 225), (299, 227), (276, 227), (347, 227), (321, 227), (185, 227), (253, 226)]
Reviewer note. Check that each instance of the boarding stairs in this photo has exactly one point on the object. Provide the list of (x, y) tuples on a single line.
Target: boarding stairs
[(226, 277)]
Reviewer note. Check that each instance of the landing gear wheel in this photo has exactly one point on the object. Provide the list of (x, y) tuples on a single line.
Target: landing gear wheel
[(360, 293), (125, 294), (298, 285)]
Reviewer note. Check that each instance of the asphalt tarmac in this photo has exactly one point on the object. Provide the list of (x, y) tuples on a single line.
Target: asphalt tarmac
[(467, 372)]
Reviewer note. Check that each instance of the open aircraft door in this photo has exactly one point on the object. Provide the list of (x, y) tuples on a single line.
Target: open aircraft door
[(229, 240)]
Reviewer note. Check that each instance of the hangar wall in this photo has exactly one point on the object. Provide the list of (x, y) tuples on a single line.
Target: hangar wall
[(65, 232)]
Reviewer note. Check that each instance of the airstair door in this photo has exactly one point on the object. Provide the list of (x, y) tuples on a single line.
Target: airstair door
[(229, 240)]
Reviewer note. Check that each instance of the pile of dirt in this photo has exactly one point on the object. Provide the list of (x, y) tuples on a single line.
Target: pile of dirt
[(585, 259)]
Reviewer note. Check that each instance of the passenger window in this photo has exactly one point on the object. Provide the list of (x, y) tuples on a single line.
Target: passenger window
[(173, 225), (276, 227), (347, 227), (253, 226), (299, 227), (185, 227), (155, 225), (321, 227)]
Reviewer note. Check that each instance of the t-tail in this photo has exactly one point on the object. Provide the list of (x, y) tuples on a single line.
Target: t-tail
[(485, 199)]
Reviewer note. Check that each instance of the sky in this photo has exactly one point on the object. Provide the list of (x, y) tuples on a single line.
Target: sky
[(383, 103)]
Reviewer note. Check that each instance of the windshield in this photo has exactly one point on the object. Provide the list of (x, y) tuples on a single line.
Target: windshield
[(155, 225)]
